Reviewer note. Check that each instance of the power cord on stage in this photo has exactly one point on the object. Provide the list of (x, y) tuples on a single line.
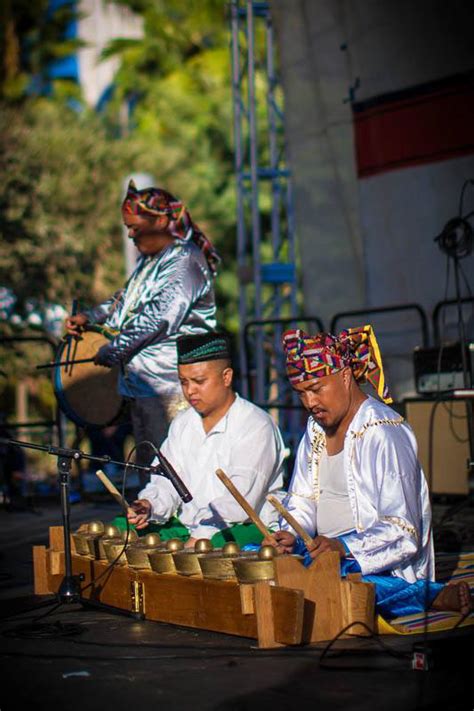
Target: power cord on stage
[(44, 630), (209, 653), (372, 635), (51, 630)]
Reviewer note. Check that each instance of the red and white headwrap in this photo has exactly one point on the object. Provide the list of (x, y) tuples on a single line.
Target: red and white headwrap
[(309, 357), (156, 202)]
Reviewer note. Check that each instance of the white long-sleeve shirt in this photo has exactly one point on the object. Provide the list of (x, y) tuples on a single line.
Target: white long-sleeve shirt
[(387, 491), (246, 444)]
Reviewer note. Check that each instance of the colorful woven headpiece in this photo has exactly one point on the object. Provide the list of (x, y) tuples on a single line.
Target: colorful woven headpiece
[(155, 202), (309, 357)]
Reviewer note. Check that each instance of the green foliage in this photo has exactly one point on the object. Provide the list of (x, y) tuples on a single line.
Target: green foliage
[(31, 37), (59, 220), (180, 73), (60, 230)]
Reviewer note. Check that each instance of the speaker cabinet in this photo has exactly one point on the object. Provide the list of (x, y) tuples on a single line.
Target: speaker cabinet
[(450, 446)]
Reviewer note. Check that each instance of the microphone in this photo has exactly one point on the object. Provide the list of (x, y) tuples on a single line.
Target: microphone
[(168, 471)]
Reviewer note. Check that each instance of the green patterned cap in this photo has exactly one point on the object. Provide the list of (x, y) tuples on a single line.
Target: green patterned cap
[(202, 347)]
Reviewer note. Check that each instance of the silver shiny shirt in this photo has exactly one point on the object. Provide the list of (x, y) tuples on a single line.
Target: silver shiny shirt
[(167, 296)]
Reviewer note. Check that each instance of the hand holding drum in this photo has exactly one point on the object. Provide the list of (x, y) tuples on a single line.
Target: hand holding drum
[(76, 324), (86, 393)]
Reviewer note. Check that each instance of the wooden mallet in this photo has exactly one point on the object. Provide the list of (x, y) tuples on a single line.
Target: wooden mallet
[(112, 489), (308, 541), (251, 513)]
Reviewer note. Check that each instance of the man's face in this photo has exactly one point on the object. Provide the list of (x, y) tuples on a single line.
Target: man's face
[(206, 385), (148, 233), (327, 398)]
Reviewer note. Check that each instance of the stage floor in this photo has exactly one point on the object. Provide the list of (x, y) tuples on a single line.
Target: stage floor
[(117, 662)]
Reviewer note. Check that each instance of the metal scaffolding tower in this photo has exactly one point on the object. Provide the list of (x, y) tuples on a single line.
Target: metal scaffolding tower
[(265, 226)]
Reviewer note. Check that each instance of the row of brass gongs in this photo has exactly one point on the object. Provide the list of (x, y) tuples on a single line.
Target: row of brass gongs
[(105, 542)]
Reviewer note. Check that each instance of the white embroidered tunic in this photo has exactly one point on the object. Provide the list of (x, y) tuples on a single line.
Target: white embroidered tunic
[(387, 491), (246, 444)]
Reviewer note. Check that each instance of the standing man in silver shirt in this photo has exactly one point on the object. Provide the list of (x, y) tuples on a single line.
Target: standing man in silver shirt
[(169, 294)]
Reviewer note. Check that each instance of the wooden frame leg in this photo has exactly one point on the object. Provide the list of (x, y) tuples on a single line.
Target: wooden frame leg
[(40, 571), (264, 615)]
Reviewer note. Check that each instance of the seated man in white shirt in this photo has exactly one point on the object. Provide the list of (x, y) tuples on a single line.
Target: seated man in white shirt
[(357, 486), (219, 430)]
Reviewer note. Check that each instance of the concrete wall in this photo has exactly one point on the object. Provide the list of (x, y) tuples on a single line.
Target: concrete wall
[(101, 22), (368, 241)]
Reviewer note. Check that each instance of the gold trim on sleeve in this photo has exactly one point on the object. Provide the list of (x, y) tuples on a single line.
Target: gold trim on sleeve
[(312, 497), (376, 423), (401, 523), (318, 443)]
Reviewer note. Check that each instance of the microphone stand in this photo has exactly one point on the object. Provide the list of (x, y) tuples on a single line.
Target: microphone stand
[(69, 590)]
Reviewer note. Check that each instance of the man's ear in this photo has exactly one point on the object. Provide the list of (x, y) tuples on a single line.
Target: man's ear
[(161, 222), (347, 376), (227, 375)]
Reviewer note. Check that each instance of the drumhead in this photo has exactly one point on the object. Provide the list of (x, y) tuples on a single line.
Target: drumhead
[(87, 393)]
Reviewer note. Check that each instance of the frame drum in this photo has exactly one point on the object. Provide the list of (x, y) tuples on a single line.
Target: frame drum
[(87, 393)]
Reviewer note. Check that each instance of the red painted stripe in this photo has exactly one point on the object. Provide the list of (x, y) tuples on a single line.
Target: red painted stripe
[(421, 129)]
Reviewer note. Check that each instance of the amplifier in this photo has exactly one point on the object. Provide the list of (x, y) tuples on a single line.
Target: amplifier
[(448, 442), (434, 373)]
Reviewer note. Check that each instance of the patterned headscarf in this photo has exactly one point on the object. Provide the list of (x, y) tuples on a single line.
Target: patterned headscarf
[(309, 357), (155, 202)]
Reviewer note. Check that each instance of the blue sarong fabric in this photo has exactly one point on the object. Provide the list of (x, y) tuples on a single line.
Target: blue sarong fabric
[(394, 597)]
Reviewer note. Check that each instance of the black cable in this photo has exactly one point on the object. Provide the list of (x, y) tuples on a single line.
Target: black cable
[(207, 652), (452, 416), (467, 284), (438, 401), (149, 657), (36, 630), (431, 432), (111, 565), (49, 612), (468, 181), (53, 630), (431, 441), (448, 407), (37, 617), (372, 635), (151, 645), (42, 630)]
